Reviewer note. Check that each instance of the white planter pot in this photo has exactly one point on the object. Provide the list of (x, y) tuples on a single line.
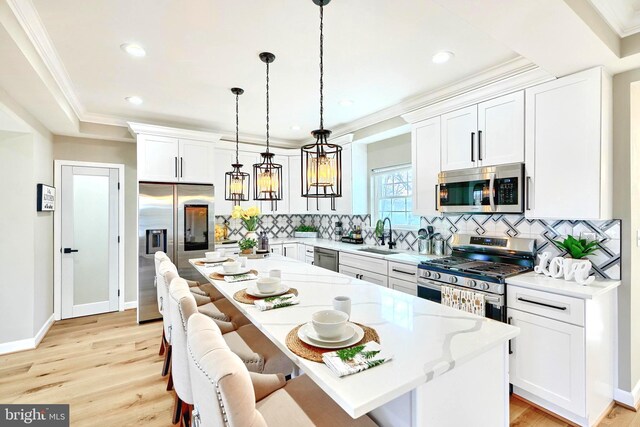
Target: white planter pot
[(251, 235)]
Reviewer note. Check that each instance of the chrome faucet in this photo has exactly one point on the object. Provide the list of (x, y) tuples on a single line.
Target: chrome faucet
[(391, 243)]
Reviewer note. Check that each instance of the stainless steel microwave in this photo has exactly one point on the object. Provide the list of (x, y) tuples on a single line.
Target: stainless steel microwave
[(495, 189)]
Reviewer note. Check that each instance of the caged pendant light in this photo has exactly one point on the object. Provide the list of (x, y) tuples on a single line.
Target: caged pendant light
[(267, 176), (236, 182), (321, 162)]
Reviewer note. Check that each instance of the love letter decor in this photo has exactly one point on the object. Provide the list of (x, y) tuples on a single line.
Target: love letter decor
[(567, 268)]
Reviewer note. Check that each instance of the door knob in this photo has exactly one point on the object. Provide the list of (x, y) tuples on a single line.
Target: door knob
[(69, 250)]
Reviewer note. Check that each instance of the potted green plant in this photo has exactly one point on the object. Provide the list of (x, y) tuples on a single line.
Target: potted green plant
[(247, 245), (305, 231), (577, 250)]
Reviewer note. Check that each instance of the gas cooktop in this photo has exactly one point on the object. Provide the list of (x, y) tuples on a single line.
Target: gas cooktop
[(465, 265)]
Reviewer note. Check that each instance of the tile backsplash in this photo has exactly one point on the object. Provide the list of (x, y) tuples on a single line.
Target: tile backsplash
[(606, 260)]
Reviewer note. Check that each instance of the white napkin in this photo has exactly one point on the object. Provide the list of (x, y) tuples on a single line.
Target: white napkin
[(270, 303), (240, 278), (369, 355)]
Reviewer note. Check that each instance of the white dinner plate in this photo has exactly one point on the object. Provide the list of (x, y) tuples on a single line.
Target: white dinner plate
[(220, 271), (214, 261), (358, 334), (254, 291)]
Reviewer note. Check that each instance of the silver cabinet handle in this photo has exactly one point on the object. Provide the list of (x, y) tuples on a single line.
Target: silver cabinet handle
[(492, 201)]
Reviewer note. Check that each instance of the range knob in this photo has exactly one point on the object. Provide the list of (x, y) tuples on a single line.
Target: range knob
[(484, 286), (426, 273), (453, 279), (471, 283), (435, 275)]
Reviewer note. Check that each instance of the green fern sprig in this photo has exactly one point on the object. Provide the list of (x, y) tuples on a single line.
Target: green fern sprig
[(374, 363), (282, 304), (347, 354), (370, 354), (279, 297)]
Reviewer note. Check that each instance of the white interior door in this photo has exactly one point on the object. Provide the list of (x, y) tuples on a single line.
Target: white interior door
[(89, 240)]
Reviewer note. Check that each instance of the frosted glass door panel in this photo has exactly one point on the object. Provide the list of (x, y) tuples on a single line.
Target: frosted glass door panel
[(91, 234)]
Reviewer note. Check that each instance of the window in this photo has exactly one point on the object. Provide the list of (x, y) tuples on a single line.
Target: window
[(392, 190)]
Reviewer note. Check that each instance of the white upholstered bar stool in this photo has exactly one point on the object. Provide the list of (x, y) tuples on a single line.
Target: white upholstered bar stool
[(225, 393), (182, 306), (158, 257)]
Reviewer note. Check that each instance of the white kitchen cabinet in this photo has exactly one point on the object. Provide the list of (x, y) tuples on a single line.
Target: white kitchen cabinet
[(276, 249), (157, 158), (405, 286), (459, 138), (168, 159), (364, 263), (301, 252), (568, 147), (501, 130), (377, 279), (548, 360), (222, 164), (563, 358), (297, 203), (290, 250), (309, 254), (349, 271), (425, 163), (354, 181)]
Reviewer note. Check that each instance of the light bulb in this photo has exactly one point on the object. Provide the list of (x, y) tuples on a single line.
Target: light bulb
[(321, 171), (267, 182), (236, 186)]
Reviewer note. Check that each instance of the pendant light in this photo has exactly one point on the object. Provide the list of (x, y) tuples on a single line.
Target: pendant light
[(321, 161), (236, 182), (267, 176)]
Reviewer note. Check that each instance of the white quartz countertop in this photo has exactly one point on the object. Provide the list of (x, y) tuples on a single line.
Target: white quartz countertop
[(426, 339), (541, 282), (402, 256)]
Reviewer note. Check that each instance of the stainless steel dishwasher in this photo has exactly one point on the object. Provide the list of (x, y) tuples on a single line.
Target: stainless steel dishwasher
[(325, 258)]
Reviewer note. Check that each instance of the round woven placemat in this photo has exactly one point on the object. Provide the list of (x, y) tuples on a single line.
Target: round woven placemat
[(204, 263), (309, 352), (218, 276), (244, 297)]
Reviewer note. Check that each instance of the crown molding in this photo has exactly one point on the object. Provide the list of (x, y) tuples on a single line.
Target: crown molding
[(619, 15), (146, 129), (29, 19)]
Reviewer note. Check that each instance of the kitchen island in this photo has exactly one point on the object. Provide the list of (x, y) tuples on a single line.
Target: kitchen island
[(449, 368)]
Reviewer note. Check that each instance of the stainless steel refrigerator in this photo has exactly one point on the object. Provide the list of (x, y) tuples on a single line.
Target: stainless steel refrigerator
[(177, 219)]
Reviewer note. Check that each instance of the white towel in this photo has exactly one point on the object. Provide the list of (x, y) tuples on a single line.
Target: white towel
[(270, 303), (362, 357)]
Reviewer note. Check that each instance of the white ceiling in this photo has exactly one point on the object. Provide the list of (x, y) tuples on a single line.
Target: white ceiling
[(377, 53), (621, 15)]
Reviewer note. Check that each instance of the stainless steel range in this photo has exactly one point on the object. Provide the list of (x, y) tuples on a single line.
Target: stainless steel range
[(481, 264)]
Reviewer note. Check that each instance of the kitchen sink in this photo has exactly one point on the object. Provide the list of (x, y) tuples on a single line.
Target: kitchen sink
[(378, 251)]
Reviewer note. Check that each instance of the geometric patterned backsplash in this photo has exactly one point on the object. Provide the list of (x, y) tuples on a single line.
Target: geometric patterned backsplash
[(606, 260)]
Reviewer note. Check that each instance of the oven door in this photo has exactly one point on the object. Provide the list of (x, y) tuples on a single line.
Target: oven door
[(494, 304), (482, 190)]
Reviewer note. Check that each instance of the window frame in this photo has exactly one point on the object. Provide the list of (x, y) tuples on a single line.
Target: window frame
[(375, 199)]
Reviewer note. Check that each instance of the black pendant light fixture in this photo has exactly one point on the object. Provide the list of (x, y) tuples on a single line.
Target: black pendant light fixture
[(236, 182), (267, 176), (321, 161)]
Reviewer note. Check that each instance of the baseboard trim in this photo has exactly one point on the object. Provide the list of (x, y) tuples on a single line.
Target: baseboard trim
[(29, 343), (43, 331), (629, 400), (130, 305)]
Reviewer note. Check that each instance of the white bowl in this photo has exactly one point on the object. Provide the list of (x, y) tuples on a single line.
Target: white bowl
[(268, 284), (329, 324), (231, 266), (212, 255)]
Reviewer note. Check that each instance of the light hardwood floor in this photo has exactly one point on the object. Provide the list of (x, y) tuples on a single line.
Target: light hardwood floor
[(108, 369)]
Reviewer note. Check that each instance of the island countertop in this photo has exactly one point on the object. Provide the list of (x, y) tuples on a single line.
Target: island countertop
[(427, 340)]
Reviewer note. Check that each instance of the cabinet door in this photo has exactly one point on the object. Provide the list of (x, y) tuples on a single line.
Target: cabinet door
[(410, 288), (548, 360), (501, 130), (301, 252), (290, 250), (349, 271), (459, 138), (425, 162), (378, 279), (196, 162), (276, 249), (222, 161), (158, 158), (297, 203), (563, 147)]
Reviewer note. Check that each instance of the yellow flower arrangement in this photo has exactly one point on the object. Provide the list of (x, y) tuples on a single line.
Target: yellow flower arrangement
[(249, 216)]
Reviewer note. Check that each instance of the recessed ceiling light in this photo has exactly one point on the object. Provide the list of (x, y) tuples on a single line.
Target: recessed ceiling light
[(133, 49), (295, 127), (346, 103), (135, 100), (442, 57)]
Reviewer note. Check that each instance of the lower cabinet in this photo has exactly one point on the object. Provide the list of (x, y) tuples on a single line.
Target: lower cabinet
[(309, 253), (290, 250), (563, 357), (378, 279), (276, 249), (410, 288)]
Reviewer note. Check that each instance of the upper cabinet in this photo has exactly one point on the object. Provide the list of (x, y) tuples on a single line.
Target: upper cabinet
[(425, 161), (568, 147), (174, 155), (487, 134)]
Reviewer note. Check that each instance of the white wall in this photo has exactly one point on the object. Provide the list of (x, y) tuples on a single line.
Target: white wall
[(386, 153), (96, 150)]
